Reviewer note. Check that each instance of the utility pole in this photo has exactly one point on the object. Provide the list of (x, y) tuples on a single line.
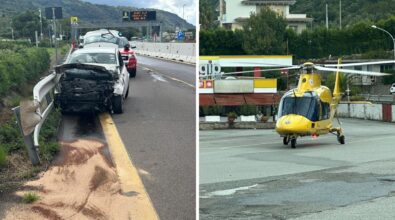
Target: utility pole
[(183, 11), (36, 35), (12, 31), (340, 14), (56, 42), (41, 24), (326, 9), (220, 12)]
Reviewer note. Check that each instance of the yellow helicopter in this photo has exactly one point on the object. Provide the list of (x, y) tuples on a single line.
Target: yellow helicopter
[(310, 108)]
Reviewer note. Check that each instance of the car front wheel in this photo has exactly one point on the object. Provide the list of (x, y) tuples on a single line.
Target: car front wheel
[(117, 104)]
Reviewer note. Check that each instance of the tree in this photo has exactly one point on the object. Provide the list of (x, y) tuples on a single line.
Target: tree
[(206, 14), (26, 23), (264, 33)]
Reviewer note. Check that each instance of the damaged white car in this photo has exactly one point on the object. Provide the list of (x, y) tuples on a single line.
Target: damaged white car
[(92, 80)]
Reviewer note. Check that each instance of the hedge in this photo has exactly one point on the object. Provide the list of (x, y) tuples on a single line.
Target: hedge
[(20, 64)]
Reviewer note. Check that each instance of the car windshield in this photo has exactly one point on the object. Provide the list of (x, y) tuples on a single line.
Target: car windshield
[(307, 106), (101, 58), (106, 38)]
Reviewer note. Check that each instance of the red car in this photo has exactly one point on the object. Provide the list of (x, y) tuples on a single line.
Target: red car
[(128, 56)]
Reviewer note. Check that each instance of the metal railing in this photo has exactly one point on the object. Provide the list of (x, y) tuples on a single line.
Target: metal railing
[(43, 98), (380, 98)]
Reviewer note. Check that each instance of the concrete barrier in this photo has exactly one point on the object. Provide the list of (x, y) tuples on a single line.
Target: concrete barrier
[(213, 118), (247, 118), (236, 125), (365, 111), (185, 52)]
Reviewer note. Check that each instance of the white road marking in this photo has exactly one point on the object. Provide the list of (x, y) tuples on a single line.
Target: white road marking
[(168, 77), (226, 192), (158, 77)]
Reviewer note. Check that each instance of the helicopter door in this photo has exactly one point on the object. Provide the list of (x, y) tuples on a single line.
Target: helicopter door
[(325, 110)]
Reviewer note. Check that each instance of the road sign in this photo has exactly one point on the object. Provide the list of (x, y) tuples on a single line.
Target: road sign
[(49, 13), (142, 15), (125, 16), (180, 35), (73, 20)]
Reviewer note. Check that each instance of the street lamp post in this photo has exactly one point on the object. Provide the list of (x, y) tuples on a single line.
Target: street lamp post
[(41, 24), (392, 37), (183, 11)]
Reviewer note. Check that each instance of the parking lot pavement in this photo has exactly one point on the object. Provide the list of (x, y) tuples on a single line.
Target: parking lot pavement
[(251, 174)]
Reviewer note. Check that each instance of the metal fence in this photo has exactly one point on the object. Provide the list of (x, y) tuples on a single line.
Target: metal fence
[(379, 98)]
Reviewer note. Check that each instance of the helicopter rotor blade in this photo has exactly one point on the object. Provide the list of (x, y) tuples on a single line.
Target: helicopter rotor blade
[(359, 64), (360, 72), (260, 64)]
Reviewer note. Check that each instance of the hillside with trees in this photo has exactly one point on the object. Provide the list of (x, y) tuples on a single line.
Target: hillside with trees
[(88, 13), (353, 11)]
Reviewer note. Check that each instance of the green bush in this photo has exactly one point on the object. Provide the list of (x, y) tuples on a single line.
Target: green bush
[(10, 136), (357, 98), (48, 143), (232, 115), (3, 156), (30, 197), (388, 80), (20, 65), (247, 109)]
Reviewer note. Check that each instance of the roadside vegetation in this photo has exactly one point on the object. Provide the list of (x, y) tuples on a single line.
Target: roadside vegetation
[(274, 38), (30, 197), (21, 66)]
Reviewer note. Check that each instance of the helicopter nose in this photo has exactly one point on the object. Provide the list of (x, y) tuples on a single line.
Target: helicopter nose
[(291, 124)]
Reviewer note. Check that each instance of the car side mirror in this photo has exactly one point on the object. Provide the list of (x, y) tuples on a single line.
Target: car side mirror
[(133, 47)]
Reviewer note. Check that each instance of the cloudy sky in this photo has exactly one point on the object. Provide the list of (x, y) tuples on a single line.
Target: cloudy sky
[(174, 6)]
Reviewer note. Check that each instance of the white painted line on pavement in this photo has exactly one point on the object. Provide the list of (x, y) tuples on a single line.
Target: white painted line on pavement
[(169, 77)]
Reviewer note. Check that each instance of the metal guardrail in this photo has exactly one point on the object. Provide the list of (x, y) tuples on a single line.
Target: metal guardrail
[(43, 94), (380, 98)]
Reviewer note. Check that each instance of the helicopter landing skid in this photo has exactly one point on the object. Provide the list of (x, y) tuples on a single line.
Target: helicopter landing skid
[(339, 134)]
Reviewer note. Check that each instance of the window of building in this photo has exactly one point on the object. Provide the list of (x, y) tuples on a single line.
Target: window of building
[(386, 67), (357, 67)]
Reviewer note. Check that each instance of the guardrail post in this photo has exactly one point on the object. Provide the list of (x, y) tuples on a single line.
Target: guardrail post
[(28, 140)]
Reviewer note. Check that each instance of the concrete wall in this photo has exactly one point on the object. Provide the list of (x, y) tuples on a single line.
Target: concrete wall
[(363, 111), (185, 52), (393, 113), (235, 9)]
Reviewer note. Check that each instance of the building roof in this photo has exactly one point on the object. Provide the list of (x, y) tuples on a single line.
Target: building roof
[(268, 2)]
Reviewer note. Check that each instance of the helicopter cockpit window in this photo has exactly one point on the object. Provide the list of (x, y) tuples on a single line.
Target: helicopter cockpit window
[(307, 106), (325, 107)]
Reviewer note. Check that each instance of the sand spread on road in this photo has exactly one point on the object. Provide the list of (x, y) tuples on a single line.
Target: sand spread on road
[(81, 184)]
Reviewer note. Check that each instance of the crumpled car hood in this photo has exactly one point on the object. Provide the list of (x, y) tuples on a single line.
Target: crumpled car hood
[(86, 71)]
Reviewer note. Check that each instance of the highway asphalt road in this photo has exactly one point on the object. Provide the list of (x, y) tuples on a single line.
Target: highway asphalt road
[(250, 174), (158, 130)]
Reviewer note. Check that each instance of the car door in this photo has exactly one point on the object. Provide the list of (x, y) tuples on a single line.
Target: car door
[(124, 74)]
